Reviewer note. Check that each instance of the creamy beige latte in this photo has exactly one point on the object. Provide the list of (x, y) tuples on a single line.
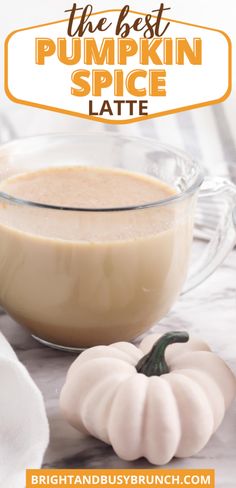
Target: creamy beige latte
[(80, 278)]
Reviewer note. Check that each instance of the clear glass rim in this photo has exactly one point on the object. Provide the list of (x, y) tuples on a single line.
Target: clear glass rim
[(159, 203)]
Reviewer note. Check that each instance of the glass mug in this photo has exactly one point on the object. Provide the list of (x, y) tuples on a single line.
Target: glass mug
[(79, 277)]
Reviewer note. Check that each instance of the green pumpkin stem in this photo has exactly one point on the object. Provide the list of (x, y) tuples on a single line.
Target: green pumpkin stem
[(154, 363)]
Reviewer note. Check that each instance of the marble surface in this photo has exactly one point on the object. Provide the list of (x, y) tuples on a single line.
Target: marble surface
[(209, 312)]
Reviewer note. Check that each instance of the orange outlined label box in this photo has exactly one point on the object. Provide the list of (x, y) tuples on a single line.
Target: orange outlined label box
[(51, 85)]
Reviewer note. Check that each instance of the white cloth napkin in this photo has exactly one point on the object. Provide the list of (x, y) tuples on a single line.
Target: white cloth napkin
[(24, 431)]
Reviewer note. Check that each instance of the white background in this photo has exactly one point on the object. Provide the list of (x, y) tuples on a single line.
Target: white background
[(17, 14)]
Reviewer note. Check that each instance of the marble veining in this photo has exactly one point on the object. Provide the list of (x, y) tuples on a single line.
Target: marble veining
[(209, 312)]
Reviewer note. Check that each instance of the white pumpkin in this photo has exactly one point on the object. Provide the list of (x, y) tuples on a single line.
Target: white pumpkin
[(141, 406)]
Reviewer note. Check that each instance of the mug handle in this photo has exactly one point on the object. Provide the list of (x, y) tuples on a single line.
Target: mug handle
[(224, 237)]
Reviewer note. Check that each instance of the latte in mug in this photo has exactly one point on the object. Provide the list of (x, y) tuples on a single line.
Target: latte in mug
[(79, 278)]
